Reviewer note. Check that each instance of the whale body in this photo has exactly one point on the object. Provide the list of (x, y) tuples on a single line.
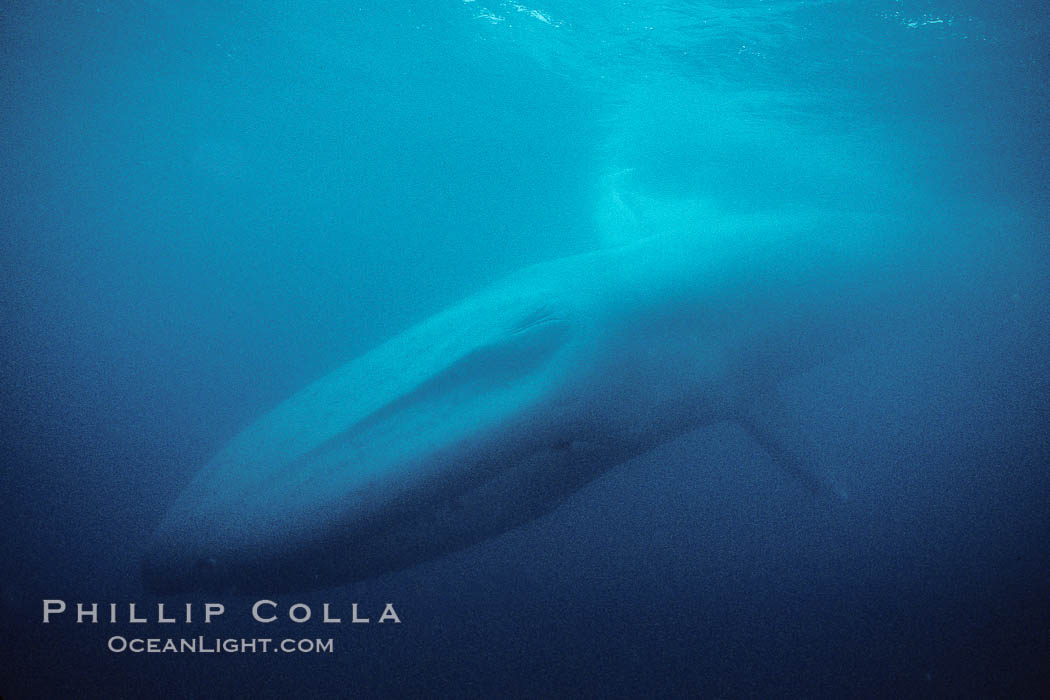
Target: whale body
[(491, 412)]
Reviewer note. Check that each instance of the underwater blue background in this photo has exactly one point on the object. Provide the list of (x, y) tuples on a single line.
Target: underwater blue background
[(205, 207)]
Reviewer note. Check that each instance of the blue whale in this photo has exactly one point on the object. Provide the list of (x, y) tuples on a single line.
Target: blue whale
[(491, 412)]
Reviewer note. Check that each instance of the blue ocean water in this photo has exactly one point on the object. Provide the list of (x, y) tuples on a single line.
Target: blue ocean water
[(205, 208)]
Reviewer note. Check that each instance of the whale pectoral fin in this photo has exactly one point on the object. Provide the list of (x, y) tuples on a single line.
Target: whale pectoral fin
[(776, 427)]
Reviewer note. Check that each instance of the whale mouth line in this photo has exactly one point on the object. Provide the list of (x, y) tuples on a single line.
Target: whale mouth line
[(487, 369), (262, 505), (545, 314)]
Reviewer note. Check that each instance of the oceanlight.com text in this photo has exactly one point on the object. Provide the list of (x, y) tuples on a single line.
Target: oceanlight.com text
[(218, 645)]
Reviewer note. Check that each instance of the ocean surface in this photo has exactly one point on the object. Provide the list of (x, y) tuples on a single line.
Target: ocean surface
[(206, 206)]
